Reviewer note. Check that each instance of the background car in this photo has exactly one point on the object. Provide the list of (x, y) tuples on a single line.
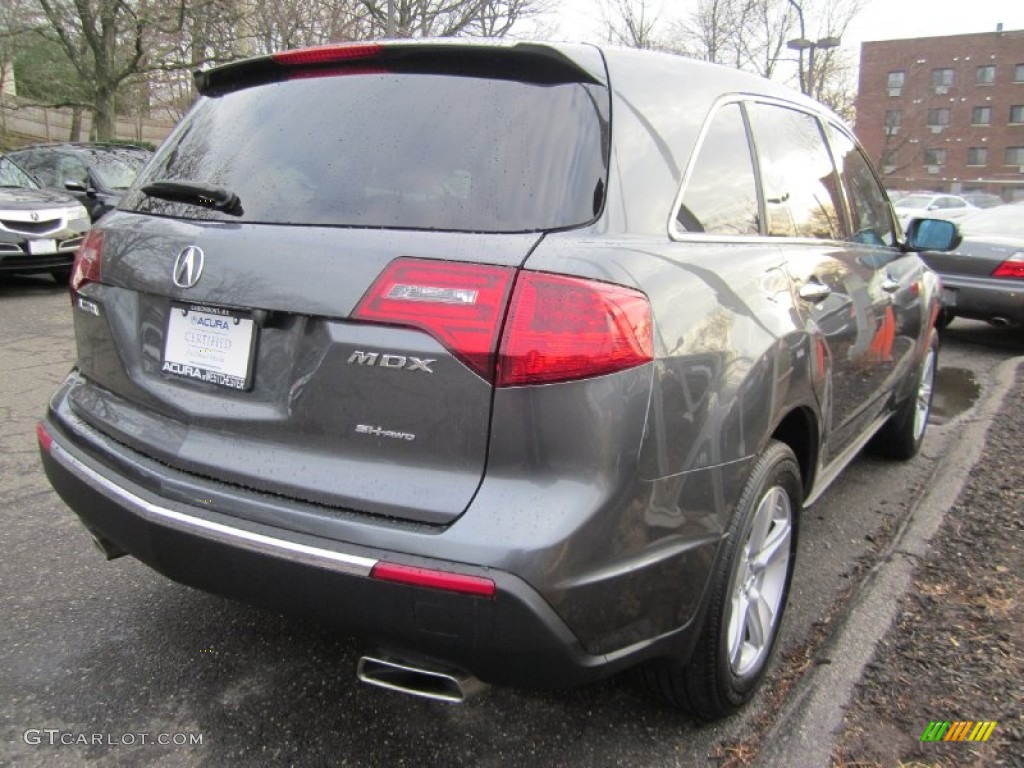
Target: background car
[(935, 206), (983, 278), (982, 199), (96, 174), (39, 229), (514, 360)]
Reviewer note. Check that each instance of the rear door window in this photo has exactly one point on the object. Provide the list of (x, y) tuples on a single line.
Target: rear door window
[(409, 150), (801, 187)]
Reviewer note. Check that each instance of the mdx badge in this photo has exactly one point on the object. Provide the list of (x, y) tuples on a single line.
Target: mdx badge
[(188, 267), (403, 362)]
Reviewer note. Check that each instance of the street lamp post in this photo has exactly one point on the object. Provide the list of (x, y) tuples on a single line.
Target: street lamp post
[(802, 44)]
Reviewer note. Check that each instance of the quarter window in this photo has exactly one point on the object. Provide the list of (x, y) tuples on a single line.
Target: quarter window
[(721, 194), (869, 205), (981, 116), (977, 156), (985, 75), (801, 187)]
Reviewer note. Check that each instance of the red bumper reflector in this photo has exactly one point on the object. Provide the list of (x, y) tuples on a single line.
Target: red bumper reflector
[(425, 577), (45, 441)]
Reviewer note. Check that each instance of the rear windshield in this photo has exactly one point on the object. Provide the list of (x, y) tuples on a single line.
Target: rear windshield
[(116, 171), (418, 151)]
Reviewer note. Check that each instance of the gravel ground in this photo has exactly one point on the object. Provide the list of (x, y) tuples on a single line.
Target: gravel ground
[(957, 649)]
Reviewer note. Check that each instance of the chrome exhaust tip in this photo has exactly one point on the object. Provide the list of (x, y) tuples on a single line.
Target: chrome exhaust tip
[(416, 679)]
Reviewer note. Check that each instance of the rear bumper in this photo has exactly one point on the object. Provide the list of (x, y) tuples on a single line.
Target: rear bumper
[(984, 298), (515, 638)]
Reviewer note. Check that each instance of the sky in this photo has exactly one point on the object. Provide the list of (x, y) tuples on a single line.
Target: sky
[(580, 20)]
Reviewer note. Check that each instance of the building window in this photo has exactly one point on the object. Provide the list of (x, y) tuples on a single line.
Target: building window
[(938, 119), (888, 161), (893, 117), (1018, 73), (981, 116), (977, 156), (942, 78), (1014, 156), (1017, 114), (935, 157), (985, 75), (895, 81)]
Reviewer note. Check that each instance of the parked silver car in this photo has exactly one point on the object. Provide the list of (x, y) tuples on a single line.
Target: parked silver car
[(519, 361), (40, 229), (923, 205), (983, 278)]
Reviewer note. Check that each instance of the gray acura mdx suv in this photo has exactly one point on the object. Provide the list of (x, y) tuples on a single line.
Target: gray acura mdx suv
[(518, 361)]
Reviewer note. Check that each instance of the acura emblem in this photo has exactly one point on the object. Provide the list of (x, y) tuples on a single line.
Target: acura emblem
[(35, 216), (188, 267)]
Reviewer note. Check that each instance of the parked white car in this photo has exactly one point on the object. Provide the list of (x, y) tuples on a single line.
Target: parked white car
[(929, 206)]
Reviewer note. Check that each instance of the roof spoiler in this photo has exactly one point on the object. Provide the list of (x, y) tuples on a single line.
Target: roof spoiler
[(524, 62)]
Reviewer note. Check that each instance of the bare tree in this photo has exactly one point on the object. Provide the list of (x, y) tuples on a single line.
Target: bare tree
[(631, 23), (448, 18)]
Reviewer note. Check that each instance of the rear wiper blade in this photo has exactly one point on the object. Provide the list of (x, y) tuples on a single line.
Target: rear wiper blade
[(191, 193)]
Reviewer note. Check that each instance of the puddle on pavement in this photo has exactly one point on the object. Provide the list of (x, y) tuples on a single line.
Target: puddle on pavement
[(956, 390)]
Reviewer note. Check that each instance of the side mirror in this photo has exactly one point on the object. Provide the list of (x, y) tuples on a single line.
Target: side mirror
[(75, 186), (932, 235)]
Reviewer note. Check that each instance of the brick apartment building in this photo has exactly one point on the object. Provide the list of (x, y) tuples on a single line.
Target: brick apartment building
[(945, 113)]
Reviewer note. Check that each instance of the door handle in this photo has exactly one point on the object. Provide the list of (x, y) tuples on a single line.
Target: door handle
[(889, 285), (814, 291)]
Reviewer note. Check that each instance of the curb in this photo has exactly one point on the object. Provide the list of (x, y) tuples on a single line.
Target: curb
[(807, 726)]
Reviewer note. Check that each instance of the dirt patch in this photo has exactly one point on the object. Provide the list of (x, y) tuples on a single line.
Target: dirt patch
[(956, 652)]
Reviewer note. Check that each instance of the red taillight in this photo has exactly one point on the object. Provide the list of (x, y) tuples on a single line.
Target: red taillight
[(1013, 267), (461, 305), (425, 577), (558, 328), (565, 328), (88, 258), (45, 441), (326, 54)]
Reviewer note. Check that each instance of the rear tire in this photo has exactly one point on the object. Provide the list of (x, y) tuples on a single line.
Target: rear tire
[(747, 596), (903, 434)]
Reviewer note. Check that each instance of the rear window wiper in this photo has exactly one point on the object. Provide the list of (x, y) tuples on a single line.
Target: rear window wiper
[(192, 193)]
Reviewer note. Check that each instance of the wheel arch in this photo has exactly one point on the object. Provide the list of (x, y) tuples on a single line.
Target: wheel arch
[(798, 429)]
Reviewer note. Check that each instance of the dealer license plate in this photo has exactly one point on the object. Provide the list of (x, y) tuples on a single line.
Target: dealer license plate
[(209, 344), (41, 247)]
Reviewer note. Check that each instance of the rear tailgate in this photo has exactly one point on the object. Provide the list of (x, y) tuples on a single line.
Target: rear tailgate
[(361, 416)]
